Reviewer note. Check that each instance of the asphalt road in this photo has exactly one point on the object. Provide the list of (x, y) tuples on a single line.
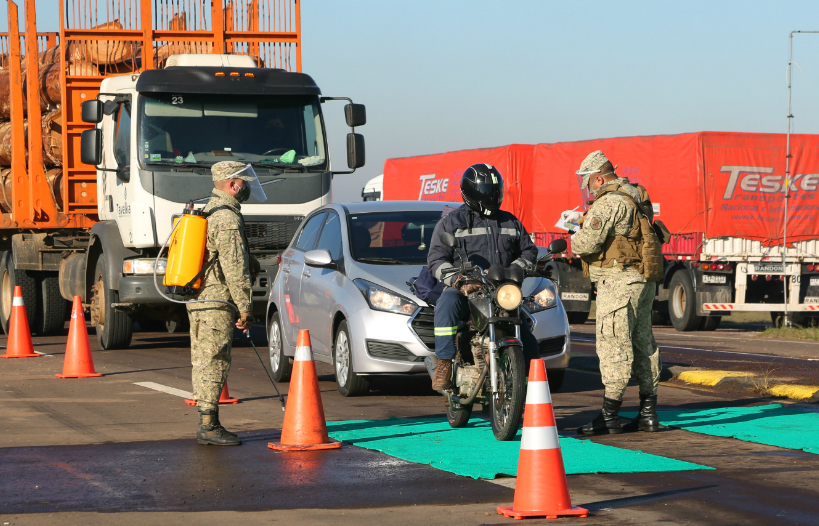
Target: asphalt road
[(103, 450)]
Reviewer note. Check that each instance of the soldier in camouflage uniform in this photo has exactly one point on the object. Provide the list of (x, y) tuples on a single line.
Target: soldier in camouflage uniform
[(227, 279), (625, 341)]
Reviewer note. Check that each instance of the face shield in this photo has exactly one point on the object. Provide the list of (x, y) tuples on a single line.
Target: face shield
[(248, 175)]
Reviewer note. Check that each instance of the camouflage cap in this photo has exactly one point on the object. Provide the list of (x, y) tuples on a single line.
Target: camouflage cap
[(230, 170), (593, 162)]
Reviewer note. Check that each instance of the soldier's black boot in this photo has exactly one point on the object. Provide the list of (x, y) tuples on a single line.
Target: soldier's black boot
[(217, 423), (211, 433), (608, 421), (646, 419)]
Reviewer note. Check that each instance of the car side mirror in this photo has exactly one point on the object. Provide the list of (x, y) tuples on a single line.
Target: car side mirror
[(355, 150), (557, 246), (319, 258), (92, 111), (448, 240), (355, 114), (91, 146)]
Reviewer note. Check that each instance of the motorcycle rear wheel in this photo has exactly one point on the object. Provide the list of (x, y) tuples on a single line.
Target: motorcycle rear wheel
[(508, 403), (458, 417)]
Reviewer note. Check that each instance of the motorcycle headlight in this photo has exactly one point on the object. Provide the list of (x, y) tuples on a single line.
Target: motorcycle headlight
[(509, 297), (143, 266), (381, 299), (544, 299)]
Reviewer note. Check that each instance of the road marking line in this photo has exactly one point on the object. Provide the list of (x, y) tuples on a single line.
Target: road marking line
[(165, 389), (711, 378), (42, 353)]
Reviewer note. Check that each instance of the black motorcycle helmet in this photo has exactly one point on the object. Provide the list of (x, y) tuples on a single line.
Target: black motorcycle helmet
[(482, 189)]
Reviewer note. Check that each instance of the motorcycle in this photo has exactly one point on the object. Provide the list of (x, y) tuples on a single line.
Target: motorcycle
[(489, 366)]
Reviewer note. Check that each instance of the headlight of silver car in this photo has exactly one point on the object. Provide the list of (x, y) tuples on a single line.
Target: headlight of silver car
[(546, 298), (384, 300)]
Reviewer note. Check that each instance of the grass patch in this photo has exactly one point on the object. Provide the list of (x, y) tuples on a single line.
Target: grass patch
[(796, 333), (748, 317)]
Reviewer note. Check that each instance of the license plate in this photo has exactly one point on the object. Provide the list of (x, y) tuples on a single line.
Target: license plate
[(576, 296), (814, 282), (714, 278), (812, 300), (767, 269)]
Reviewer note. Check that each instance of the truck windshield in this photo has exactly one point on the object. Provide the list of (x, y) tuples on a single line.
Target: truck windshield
[(392, 238), (279, 131)]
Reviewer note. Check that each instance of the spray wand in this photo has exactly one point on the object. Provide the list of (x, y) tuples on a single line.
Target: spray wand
[(265, 370)]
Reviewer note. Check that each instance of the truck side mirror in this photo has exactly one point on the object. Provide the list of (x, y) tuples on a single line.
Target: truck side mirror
[(355, 150), (92, 111), (91, 145), (355, 114)]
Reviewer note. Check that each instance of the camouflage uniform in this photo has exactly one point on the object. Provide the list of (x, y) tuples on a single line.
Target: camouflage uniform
[(228, 279), (625, 341)]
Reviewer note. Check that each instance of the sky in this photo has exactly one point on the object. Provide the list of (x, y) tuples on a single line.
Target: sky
[(438, 76)]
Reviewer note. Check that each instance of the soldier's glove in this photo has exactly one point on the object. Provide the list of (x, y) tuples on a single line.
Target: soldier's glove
[(246, 321)]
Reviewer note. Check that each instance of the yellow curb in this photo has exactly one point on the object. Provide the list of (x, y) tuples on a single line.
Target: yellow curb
[(797, 392), (711, 378)]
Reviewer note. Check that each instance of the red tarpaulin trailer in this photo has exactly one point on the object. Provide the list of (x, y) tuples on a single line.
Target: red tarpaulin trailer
[(438, 177)]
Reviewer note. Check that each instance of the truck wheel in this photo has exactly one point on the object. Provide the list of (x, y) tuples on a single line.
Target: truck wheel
[(710, 323), (50, 320), (9, 278), (114, 328), (577, 318), (681, 302)]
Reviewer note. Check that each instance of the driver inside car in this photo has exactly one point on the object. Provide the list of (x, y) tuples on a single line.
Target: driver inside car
[(487, 236)]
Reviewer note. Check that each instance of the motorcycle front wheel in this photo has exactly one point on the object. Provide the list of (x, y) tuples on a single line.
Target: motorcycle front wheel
[(507, 404)]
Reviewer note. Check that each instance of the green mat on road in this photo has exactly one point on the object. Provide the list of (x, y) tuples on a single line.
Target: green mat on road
[(474, 452), (772, 424)]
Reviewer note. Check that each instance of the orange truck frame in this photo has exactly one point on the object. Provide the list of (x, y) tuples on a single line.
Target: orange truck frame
[(81, 233)]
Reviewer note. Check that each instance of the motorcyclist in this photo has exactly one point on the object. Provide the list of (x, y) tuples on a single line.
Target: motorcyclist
[(487, 236)]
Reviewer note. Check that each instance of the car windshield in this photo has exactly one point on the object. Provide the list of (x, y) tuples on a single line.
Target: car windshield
[(392, 238), (276, 131)]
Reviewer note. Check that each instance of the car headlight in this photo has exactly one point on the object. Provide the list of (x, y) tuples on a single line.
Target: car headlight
[(143, 266), (542, 300), (509, 296), (384, 300)]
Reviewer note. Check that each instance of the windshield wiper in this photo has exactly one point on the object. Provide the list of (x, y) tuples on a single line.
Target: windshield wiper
[(389, 261), (284, 166), (174, 163)]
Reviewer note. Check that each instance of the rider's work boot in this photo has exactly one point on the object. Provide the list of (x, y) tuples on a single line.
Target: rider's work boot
[(646, 419), (608, 421), (211, 433), (443, 376)]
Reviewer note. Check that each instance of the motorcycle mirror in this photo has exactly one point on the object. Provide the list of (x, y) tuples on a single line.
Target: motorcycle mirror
[(449, 240), (557, 246)]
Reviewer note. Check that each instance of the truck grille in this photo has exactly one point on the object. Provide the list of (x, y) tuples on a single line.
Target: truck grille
[(423, 324), (270, 235), (552, 346), (391, 351)]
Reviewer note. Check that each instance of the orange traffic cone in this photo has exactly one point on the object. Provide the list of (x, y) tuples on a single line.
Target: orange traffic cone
[(304, 427), (541, 489), (78, 360), (224, 398), (19, 343)]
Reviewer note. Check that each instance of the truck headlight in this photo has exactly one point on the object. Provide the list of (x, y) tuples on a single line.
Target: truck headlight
[(509, 297), (143, 266), (546, 298), (381, 299)]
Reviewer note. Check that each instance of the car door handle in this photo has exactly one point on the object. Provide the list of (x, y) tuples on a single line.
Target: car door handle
[(306, 273), (286, 270)]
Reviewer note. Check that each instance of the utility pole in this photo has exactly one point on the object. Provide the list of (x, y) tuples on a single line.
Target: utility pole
[(785, 321)]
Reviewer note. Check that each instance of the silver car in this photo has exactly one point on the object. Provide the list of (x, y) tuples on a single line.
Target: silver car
[(344, 278)]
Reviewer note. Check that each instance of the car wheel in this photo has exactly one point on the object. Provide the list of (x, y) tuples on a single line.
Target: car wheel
[(279, 363), (555, 377), (349, 383)]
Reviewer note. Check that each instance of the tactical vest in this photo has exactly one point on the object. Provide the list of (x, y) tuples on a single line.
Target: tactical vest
[(641, 248)]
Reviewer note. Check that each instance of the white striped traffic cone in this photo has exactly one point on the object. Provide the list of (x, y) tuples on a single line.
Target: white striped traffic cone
[(541, 489)]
